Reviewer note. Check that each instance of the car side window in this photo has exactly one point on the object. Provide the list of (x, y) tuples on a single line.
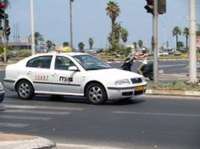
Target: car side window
[(40, 62), (63, 63)]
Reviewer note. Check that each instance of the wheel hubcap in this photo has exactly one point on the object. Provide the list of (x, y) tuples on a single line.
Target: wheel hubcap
[(95, 94), (24, 90)]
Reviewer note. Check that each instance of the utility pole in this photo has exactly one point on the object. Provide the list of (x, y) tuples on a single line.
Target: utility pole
[(32, 27), (155, 40), (156, 8), (71, 23), (5, 41), (193, 52)]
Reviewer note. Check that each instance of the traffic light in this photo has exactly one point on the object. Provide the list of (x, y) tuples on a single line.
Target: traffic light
[(161, 6), (6, 27), (149, 6)]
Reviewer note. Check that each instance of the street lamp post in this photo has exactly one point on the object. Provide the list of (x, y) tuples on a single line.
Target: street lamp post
[(32, 27), (71, 23), (193, 55)]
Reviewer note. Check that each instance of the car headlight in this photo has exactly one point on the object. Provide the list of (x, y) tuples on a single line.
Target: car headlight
[(122, 82), (1, 86)]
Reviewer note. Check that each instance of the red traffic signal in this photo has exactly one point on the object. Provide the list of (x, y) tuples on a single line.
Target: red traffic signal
[(3, 5), (150, 2)]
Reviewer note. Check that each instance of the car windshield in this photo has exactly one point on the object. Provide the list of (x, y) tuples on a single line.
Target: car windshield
[(89, 62)]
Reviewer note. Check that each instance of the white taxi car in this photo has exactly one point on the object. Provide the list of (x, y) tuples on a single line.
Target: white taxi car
[(77, 74)]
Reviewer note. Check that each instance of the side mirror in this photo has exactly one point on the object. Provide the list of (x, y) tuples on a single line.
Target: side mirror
[(73, 68)]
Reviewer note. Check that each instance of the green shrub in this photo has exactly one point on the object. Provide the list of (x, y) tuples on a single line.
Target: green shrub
[(175, 85)]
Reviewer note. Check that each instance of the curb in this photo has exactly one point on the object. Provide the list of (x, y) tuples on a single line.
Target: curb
[(27, 142), (173, 92)]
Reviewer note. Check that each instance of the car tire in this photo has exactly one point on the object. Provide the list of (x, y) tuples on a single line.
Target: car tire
[(96, 94), (25, 90), (1, 98)]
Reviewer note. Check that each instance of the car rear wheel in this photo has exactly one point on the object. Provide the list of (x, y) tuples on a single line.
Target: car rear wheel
[(25, 90), (96, 93)]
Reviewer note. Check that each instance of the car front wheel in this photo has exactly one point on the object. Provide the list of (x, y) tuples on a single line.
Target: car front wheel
[(96, 93), (25, 90)]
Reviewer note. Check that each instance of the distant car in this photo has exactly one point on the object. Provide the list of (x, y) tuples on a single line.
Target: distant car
[(77, 74), (163, 53), (2, 92)]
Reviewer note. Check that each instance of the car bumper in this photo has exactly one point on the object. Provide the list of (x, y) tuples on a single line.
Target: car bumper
[(115, 93), (2, 93)]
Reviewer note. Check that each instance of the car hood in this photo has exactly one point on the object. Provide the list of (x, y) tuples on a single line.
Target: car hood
[(113, 74)]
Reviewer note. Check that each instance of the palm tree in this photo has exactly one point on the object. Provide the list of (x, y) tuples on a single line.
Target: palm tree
[(140, 44), (176, 32), (186, 34), (38, 37), (81, 46), (113, 11), (124, 34), (49, 45), (65, 44), (91, 42), (135, 45), (114, 36)]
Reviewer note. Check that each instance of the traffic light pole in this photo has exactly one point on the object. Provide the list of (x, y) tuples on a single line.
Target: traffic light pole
[(4, 40), (193, 55), (155, 40), (32, 28)]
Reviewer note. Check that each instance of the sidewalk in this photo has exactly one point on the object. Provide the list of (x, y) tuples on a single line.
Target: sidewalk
[(14, 141)]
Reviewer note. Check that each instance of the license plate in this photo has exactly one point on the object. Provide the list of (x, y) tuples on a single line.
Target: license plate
[(139, 88)]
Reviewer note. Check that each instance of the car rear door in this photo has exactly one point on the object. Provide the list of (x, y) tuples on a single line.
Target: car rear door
[(38, 70)]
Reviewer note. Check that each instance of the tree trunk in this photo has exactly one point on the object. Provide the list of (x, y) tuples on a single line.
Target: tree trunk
[(176, 42), (186, 42)]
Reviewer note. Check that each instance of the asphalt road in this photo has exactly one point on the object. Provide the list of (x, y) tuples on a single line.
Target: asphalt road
[(143, 123), (167, 67)]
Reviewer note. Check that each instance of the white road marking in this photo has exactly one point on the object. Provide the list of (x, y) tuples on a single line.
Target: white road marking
[(13, 125), (38, 112), (42, 107), (14, 117), (83, 146), (157, 114)]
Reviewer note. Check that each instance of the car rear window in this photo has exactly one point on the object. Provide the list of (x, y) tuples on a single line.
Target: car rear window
[(40, 62)]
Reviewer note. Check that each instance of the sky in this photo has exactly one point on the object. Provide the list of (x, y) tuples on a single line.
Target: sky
[(90, 20)]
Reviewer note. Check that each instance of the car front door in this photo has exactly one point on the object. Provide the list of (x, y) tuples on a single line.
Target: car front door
[(67, 82)]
